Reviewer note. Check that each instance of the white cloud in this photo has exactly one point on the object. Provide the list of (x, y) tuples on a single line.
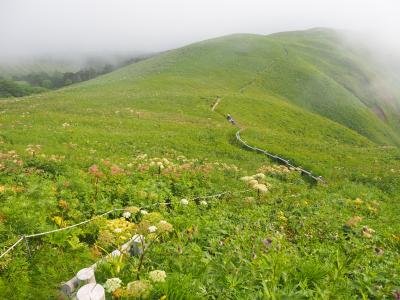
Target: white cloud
[(79, 26)]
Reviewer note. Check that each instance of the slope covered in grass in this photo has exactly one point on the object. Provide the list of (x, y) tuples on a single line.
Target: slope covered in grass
[(73, 153)]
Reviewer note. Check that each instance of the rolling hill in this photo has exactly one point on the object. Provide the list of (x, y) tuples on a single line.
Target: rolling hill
[(305, 95)]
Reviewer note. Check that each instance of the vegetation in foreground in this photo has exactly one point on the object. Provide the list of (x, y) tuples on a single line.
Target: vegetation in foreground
[(145, 134)]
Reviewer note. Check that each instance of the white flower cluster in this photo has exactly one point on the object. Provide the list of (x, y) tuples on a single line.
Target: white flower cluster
[(152, 229), (255, 182), (112, 284), (160, 163), (126, 214), (276, 169), (184, 201), (157, 276)]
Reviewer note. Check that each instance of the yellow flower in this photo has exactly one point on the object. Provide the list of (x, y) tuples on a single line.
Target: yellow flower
[(371, 208), (59, 221), (2, 188), (281, 216), (358, 202)]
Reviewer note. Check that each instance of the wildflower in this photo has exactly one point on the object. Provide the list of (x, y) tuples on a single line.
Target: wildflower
[(144, 212), (116, 170), (372, 208), (2, 188), (358, 202), (157, 276), (65, 125), (115, 232), (246, 178), (94, 170), (252, 182), (164, 226), (259, 176), (261, 188), (281, 216), (126, 214), (63, 204), (152, 229), (139, 289), (112, 284), (59, 221), (367, 232), (204, 203), (184, 201), (352, 222), (119, 293)]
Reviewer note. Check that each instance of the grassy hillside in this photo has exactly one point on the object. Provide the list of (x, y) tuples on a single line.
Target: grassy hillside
[(297, 94)]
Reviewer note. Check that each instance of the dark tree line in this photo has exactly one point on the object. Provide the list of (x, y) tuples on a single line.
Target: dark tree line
[(9, 88), (37, 82), (57, 80)]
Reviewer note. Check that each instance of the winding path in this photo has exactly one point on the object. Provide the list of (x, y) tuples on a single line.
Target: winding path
[(265, 152)]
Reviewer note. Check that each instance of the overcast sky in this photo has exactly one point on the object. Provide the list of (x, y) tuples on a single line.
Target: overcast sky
[(32, 27)]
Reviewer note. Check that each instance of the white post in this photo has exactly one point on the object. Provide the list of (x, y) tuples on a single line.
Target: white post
[(91, 291), (86, 275)]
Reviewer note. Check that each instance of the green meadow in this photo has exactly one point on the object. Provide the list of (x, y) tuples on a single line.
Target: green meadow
[(145, 134)]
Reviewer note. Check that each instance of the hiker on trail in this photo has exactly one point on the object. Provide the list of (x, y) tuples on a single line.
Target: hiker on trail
[(230, 119)]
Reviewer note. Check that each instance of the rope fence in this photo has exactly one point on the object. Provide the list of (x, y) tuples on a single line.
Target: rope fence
[(278, 158), (12, 247), (26, 237)]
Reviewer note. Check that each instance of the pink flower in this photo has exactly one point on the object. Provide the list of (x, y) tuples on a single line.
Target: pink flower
[(115, 170), (94, 170)]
